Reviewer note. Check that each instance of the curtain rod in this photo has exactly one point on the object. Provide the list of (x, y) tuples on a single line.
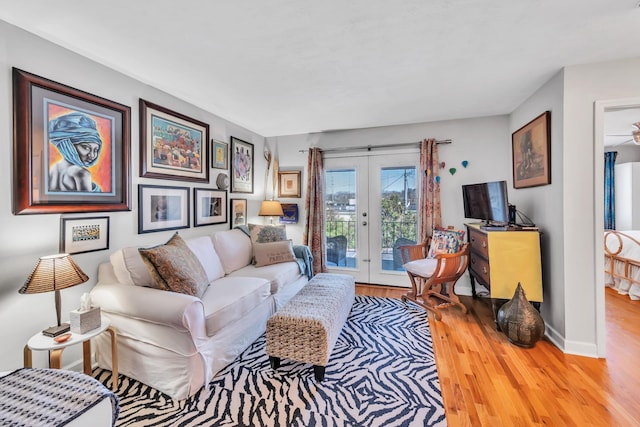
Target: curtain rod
[(374, 147)]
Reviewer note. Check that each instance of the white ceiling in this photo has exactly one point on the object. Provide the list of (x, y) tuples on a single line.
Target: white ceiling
[(292, 66)]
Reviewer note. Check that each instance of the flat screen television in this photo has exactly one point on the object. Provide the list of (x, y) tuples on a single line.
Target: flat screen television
[(487, 201)]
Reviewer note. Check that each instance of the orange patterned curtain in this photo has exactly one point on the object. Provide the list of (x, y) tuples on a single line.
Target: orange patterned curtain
[(430, 211), (314, 234)]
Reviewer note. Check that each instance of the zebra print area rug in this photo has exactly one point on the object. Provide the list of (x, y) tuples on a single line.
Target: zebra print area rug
[(382, 372)]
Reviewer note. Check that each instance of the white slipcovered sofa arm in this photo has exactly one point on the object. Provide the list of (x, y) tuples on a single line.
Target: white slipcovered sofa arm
[(173, 309)]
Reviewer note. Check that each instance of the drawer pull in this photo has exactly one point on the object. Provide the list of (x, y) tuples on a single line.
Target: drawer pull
[(484, 244), (484, 269)]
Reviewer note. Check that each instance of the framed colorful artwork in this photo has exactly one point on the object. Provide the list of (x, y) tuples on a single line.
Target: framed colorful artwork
[(209, 207), (172, 145), (290, 211), (162, 208), (219, 154), (289, 184), (238, 212), (531, 149), (87, 234), (71, 149), (241, 166)]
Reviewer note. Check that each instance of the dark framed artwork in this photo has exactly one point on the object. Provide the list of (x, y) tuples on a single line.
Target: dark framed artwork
[(172, 145), (289, 184), (162, 208), (238, 212), (241, 166), (531, 149), (86, 234), (290, 211), (209, 207), (71, 149), (219, 154)]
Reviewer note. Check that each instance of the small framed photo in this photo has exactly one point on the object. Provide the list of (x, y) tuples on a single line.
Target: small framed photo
[(209, 207), (172, 145), (87, 234), (241, 166), (289, 184), (162, 208), (531, 149), (219, 154), (238, 212), (290, 211)]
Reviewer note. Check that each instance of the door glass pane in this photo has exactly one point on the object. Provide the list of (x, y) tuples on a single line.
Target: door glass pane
[(398, 213), (340, 208)]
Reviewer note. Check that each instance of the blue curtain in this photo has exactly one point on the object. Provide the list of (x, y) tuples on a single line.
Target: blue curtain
[(609, 190)]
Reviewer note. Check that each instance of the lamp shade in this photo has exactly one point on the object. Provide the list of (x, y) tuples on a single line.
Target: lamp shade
[(52, 273), (271, 208)]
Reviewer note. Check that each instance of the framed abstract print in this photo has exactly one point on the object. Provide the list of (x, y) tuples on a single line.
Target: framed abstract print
[(209, 207), (71, 149), (172, 145), (219, 154), (531, 149), (79, 235), (241, 166), (162, 208)]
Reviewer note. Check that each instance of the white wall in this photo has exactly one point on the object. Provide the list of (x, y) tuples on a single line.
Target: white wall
[(27, 237)]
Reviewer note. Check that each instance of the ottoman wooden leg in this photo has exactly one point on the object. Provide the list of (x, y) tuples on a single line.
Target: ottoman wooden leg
[(318, 371), (274, 362)]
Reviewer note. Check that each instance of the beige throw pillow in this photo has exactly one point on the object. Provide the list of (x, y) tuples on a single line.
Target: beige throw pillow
[(267, 233), (174, 267), (273, 252)]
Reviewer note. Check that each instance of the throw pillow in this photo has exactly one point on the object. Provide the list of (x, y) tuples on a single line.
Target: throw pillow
[(174, 267), (267, 233), (273, 252), (445, 241)]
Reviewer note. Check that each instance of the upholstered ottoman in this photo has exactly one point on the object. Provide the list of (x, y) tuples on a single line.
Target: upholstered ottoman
[(307, 327)]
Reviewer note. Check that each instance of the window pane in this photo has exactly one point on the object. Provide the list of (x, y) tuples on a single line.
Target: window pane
[(340, 209)]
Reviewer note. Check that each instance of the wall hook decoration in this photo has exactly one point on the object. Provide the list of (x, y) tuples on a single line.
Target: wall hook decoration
[(452, 170), (465, 163), (437, 179), (442, 164)]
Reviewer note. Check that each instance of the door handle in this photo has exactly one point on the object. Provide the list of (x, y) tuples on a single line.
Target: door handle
[(364, 222)]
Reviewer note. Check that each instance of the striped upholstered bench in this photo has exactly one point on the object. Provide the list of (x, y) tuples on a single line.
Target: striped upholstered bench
[(307, 327)]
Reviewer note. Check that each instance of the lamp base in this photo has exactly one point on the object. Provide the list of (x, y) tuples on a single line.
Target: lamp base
[(54, 331)]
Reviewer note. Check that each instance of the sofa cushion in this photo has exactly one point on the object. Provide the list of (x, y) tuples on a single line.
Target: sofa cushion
[(278, 275), (230, 299), (203, 249), (130, 269), (273, 253), (267, 233), (234, 249), (174, 267)]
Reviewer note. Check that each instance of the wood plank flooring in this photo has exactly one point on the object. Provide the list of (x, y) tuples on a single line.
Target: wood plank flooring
[(487, 381)]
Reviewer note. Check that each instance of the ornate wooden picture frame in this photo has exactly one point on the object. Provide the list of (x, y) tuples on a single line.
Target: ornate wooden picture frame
[(531, 149)]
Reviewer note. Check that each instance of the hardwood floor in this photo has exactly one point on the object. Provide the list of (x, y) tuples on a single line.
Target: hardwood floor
[(487, 381)]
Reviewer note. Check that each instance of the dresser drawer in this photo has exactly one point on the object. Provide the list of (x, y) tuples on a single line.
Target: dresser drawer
[(480, 267), (479, 242)]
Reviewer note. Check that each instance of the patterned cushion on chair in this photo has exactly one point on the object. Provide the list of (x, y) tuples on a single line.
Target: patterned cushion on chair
[(445, 241)]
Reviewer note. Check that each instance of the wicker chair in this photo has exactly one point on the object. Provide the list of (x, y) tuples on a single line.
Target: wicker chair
[(433, 279)]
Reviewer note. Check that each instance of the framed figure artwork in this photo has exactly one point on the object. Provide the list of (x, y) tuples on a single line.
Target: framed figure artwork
[(219, 154), (238, 212), (241, 166), (172, 145), (531, 149), (71, 149), (79, 235), (162, 208), (209, 207)]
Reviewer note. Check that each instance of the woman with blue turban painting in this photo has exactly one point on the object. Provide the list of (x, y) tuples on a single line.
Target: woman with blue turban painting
[(76, 137)]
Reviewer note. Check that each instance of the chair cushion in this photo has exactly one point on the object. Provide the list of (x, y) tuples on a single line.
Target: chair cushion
[(422, 267), (231, 298), (445, 241), (234, 249), (273, 253)]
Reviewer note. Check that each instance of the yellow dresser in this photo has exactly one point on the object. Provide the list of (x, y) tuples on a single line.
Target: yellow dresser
[(499, 260)]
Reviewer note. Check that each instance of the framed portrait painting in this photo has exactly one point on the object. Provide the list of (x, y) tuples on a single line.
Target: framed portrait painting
[(71, 149), (531, 149), (172, 145), (219, 154), (162, 208), (79, 235), (238, 212), (289, 184), (241, 166), (209, 207)]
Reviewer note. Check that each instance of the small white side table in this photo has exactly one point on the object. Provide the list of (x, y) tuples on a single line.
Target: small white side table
[(42, 342)]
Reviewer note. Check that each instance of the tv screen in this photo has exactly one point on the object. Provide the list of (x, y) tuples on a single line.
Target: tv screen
[(486, 201)]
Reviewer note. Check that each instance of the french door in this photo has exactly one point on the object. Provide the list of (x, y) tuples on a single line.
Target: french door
[(370, 206)]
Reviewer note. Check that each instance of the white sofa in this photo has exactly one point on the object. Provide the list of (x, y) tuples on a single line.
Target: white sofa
[(176, 342)]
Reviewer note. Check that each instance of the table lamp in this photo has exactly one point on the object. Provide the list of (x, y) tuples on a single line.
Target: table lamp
[(53, 273), (271, 208)]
